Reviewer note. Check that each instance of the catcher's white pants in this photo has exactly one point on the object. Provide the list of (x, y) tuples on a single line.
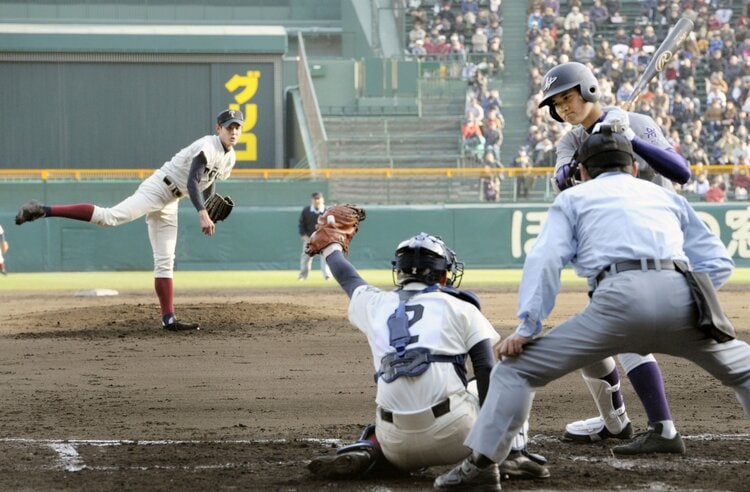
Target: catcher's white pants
[(414, 441), (153, 199), (633, 311)]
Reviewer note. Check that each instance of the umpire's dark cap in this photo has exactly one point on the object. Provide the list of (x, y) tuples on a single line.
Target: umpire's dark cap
[(606, 149), (229, 116)]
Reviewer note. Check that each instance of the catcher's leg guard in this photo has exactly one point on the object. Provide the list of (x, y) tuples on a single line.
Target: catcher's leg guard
[(612, 422)]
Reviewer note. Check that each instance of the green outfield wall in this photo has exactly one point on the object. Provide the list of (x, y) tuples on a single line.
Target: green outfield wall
[(261, 234)]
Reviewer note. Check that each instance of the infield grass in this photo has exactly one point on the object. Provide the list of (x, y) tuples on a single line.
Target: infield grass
[(256, 279)]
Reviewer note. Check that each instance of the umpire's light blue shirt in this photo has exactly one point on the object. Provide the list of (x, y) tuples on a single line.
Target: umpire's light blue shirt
[(612, 218)]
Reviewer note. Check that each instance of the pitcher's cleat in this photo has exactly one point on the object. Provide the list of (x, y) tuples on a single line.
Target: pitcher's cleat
[(29, 212)]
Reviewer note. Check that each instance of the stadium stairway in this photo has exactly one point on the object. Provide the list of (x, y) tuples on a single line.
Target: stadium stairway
[(429, 140)]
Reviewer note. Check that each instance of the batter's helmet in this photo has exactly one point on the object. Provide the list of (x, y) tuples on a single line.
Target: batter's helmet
[(425, 258), (606, 149), (566, 76)]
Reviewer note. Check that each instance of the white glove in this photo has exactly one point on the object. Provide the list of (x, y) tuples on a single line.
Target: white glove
[(617, 127), (619, 121)]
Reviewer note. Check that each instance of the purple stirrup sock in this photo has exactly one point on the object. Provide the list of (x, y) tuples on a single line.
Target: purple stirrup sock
[(649, 385), (613, 378)]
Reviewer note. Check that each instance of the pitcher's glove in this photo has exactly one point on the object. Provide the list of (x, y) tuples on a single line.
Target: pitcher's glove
[(219, 207), (338, 224)]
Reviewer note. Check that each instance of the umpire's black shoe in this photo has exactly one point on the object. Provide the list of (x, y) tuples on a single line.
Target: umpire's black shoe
[(29, 212), (180, 326), (518, 466), (650, 442)]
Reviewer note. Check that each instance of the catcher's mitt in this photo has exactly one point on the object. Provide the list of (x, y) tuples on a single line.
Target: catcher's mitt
[(219, 207), (338, 224)]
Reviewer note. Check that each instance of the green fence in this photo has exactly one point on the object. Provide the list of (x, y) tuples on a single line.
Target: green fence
[(261, 234)]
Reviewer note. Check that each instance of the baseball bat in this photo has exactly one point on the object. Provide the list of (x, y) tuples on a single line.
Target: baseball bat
[(662, 55)]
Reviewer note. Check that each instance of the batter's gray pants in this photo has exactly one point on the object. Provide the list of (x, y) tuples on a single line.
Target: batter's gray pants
[(634, 311)]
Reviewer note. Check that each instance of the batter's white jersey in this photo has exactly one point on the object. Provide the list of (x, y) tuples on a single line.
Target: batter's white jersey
[(444, 324)]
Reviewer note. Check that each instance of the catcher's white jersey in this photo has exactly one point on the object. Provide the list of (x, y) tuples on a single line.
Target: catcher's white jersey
[(445, 325), (219, 163)]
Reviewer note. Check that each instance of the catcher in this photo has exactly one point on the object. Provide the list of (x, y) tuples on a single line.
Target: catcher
[(192, 172), (3, 250), (419, 335)]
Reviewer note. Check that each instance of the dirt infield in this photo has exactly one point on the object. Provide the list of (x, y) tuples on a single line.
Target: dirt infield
[(97, 397)]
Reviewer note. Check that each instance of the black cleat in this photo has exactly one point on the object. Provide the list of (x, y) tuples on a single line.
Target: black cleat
[(519, 466), (29, 212), (180, 326), (650, 442)]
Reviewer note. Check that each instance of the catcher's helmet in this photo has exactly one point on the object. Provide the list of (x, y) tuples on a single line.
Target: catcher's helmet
[(606, 149), (425, 258), (566, 76)]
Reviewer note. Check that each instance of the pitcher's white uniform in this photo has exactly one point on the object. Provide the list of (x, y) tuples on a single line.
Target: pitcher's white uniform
[(158, 197), (410, 435)]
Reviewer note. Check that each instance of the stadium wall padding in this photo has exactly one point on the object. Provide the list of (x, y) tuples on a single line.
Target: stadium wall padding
[(261, 233)]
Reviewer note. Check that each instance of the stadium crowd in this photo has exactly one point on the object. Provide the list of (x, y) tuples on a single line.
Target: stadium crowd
[(701, 100)]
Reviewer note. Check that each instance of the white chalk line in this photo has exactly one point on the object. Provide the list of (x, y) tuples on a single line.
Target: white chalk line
[(71, 461)]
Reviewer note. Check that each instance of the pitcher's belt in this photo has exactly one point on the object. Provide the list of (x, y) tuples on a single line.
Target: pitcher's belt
[(172, 187)]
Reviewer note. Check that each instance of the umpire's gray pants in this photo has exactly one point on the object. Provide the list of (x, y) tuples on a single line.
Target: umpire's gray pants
[(634, 311)]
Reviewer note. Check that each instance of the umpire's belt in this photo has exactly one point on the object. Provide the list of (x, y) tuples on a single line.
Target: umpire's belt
[(419, 419), (624, 266), (172, 187)]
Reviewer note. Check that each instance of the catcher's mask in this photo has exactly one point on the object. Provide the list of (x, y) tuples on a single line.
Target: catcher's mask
[(606, 149), (425, 258), (566, 76)]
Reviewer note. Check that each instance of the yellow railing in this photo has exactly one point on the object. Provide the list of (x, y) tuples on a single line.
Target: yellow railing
[(290, 174)]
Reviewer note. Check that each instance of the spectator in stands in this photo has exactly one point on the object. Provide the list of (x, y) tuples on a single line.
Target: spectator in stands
[(495, 56), (495, 7), (473, 138), (700, 185), (713, 116), (479, 41), (523, 178), (535, 18), (458, 50), (495, 29), (584, 53), (474, 110), (469, 6), (573, 21), (740, 180), (623, 93), (493, 132), (599, 14), (715, 192), (549, 19), (650, 40), (416, 33), (419, 50), (728, 146), (445, 12), (492, 100), (489, 185)]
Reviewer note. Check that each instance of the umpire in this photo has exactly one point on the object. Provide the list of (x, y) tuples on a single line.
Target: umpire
[(628, 236), (308, 218)]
